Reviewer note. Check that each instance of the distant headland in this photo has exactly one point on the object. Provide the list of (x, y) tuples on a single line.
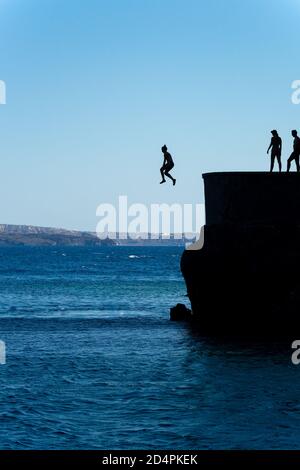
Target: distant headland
[(30, 235)]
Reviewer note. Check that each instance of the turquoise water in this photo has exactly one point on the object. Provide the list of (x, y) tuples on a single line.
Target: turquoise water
[(93, 361)]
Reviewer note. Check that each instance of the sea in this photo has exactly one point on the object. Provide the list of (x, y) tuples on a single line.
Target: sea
[(94, 362)]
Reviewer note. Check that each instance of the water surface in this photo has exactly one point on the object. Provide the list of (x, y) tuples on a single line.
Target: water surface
[(93, 361)]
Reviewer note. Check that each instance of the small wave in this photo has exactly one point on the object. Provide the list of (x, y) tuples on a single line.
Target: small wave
[(141, 256)]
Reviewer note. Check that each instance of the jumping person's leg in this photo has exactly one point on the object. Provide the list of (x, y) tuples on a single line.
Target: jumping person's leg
[(168, 168), (162, 172), (171, 177)]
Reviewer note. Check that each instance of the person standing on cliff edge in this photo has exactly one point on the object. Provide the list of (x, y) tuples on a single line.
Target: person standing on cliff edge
[(168, 164), (296, 153), (276, 146)]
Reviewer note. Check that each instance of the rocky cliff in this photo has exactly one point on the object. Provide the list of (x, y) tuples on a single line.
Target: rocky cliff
[(245, 278)]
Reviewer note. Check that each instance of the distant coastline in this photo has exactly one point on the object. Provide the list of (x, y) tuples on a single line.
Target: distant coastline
[(30, 235)]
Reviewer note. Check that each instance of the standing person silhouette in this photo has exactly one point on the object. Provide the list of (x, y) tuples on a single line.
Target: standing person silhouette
[(276, 146), (296, 153), (168, 164)]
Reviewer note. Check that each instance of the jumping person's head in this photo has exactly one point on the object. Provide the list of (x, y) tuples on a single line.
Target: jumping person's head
[(164, 149), (274, 133), (294, 133)]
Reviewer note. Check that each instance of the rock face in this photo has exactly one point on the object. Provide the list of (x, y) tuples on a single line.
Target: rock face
[(180, 313), (245, 280)]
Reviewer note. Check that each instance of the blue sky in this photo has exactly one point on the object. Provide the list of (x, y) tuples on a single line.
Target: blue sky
[(95, 88)]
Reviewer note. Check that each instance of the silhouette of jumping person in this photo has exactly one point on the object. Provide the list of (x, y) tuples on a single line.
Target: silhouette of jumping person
[(167, 166), (296, 153), (276, 146)]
